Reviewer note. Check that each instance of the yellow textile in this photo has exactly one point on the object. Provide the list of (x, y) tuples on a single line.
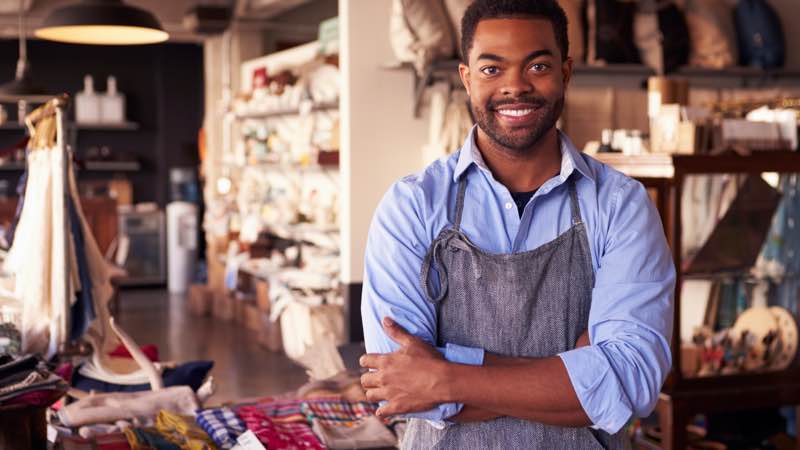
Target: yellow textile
[(134, 442), (183, 431)]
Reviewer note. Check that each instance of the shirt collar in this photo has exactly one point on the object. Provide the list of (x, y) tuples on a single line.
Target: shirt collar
[(571, 159)]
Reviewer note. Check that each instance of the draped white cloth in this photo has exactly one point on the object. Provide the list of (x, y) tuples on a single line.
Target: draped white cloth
[(38, 258)]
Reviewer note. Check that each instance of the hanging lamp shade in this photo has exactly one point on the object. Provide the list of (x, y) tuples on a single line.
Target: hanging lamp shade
[(102, 22), (22, 87)]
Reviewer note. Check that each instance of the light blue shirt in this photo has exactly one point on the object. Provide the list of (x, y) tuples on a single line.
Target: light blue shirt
[(630, 323)]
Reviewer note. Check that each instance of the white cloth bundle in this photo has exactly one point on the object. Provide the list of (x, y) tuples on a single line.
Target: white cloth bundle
[(110, 408)]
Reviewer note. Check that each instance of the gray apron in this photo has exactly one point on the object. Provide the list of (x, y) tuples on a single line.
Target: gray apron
[(533, 304)]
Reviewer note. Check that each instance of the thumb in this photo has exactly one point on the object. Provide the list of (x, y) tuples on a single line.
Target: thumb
[(397, 333)]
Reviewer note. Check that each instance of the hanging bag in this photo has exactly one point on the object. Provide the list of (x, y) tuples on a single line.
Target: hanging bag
[(761, 39)]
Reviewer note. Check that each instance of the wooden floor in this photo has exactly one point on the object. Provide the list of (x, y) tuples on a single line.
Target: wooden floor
[(242, 368)]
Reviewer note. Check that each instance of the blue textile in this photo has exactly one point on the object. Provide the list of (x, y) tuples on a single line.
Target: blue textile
[(190, 374), (82, 311), (222, 424), (630, 323)]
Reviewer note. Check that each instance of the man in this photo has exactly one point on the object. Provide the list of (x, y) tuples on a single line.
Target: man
[(542, 276)]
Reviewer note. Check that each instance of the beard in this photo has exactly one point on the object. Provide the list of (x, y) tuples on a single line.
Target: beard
[(520, 139)]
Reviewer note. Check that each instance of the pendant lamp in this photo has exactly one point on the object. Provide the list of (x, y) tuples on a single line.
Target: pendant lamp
[(102, 22), (21, 87)]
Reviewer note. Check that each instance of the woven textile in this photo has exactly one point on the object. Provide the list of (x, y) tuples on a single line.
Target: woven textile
[(222, 424), (338, 413), (278, 435)]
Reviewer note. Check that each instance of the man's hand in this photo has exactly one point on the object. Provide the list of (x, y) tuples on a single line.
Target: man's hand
[(411, 379)]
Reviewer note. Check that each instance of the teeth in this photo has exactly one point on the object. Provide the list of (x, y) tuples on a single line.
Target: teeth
[(515, 112)]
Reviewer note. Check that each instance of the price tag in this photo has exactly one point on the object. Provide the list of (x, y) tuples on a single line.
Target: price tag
[(52, 434), (249, 441)]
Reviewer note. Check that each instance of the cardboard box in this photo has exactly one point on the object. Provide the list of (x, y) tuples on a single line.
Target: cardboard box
[(224, 306), (269, 336), (252, 316), (200, 300), (262, 296)]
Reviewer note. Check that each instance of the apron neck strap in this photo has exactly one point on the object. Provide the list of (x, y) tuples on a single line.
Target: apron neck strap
[(462, 189), (573, 202)]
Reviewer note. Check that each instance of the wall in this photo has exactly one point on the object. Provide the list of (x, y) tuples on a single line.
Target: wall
[(163, 85), (381, 140)]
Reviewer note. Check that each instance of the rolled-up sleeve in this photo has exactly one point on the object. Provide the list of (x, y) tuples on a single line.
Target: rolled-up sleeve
[(396, 246), (621, 373)]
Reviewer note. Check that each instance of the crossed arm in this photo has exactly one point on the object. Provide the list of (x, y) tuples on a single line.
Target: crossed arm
[(416, 378)]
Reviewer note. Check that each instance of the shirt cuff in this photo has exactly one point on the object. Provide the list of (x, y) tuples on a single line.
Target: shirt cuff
[(597, 388), (457, 354)]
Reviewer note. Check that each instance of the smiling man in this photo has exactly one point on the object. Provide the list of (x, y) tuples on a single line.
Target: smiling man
[(517, 294)]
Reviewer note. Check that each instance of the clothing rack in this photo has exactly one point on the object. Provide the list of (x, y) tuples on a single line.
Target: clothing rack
[(46, 126)]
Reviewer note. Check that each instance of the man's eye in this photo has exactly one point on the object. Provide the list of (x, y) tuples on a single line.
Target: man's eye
[(491, 70), (539, 67)]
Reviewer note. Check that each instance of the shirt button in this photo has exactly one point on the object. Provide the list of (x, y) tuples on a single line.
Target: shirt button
[(509, 205)]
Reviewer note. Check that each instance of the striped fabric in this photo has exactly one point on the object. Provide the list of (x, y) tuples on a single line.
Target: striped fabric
[(284, 410), (278, 435), (222, 424), (337, 412)]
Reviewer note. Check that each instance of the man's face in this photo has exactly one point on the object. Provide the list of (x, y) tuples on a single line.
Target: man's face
[(516, 80)]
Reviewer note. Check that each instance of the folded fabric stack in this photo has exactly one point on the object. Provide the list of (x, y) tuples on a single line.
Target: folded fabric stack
[(172, 419), (26, 382)]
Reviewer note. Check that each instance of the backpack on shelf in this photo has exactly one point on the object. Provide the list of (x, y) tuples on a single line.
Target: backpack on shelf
[(761, 38)]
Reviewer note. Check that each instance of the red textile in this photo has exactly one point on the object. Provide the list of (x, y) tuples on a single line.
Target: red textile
[(151, 351), (276, 435), (114, 441)]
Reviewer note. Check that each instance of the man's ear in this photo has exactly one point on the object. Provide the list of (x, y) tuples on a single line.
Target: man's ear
[(463, 72)]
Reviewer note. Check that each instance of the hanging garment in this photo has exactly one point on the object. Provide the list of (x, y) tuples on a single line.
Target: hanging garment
[(82, 312), (541, 310), (183, 431), (276, 435), (222, 424), (38, 257)]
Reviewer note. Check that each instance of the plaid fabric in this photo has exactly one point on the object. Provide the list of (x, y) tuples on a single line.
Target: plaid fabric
[(222, 424), (283, 410), (276, 435), (338, 413)]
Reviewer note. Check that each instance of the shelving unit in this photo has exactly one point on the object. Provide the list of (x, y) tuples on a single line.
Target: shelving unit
[(326, 106), (682, 398), (447, 70)]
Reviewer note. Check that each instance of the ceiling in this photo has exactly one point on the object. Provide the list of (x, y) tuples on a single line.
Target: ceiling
[(169, 12)]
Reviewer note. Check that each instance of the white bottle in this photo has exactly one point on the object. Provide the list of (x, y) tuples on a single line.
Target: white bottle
[(87, 103), (112, 103)]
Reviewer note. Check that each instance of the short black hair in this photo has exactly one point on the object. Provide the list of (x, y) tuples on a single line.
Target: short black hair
[(508, 9)]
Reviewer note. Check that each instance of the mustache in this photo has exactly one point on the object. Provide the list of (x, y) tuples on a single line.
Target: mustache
[(535, 101)]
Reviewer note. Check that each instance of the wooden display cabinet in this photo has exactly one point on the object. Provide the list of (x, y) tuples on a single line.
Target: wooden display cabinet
[(682, 398)]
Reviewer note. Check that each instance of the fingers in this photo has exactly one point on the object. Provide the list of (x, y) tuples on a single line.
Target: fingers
[(371, 380), (373, 361), (388, 410), (398, 333), (376, 395)]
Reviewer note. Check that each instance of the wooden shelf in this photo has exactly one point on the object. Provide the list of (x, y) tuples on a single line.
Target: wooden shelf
[(447, 70), (12, 126), (666, 166), (125, 126), (112, 166), (327, 106), (681, 398)]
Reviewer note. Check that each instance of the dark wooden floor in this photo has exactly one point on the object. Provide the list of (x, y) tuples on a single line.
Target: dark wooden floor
[(242, 368)]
